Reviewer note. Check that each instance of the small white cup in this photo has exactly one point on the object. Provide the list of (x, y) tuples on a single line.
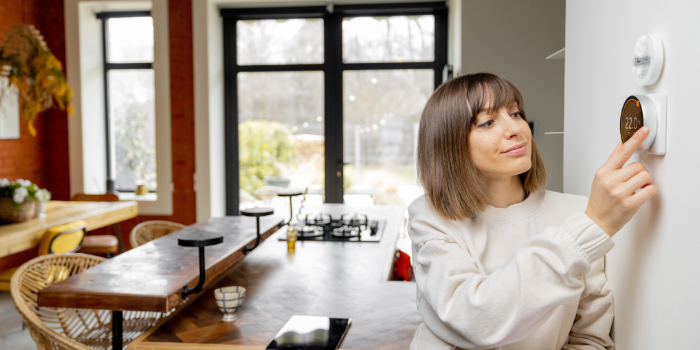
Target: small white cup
[(229, 299)]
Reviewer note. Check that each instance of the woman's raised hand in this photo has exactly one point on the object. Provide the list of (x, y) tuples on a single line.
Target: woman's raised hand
[(614, 196)]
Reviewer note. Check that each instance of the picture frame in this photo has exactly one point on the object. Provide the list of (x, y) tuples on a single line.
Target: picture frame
[(9, 111)]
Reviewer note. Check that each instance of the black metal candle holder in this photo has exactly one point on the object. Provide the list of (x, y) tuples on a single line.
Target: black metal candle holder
[(200, 240), (257, 213)]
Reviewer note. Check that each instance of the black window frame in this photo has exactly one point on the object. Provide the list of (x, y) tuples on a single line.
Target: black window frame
[(332, 67), (104, 16)]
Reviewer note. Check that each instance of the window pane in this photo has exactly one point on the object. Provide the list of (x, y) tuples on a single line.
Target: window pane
[(381, 112), (132, 117), (130, 40), (389, 39), (280, 41), (281, 134)]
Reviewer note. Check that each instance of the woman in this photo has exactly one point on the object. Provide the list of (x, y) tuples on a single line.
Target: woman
[(499, 262)]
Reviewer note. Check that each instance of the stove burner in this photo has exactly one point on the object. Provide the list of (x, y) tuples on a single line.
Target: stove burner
[(339, 227), (346, 232), (309, 232), (355, 220), (319, 220)]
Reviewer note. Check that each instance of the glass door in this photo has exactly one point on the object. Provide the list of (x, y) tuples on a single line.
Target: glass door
[(382, 107), (279, 110), (328, 99)]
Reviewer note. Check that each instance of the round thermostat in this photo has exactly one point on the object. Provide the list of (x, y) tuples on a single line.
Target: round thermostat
[(648, 59), (638, 111)]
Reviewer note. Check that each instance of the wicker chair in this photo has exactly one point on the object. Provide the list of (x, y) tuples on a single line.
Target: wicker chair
[(61, 328), (150, 230)]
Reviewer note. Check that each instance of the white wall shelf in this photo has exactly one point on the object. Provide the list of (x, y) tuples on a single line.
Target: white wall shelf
[(559, 55)]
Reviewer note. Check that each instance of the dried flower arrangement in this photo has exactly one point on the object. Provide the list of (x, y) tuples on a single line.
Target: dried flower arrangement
[(34, 71)]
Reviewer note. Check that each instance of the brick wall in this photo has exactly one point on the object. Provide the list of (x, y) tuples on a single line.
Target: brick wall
[(42, 159), (24, 157)]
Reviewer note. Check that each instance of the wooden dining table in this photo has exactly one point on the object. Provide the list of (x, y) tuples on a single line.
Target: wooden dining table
[(18, 237)]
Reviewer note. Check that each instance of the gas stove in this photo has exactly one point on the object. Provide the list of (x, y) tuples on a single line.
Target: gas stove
[(341, 228)]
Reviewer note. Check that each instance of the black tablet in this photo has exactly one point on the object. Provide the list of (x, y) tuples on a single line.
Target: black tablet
[(311, 333)]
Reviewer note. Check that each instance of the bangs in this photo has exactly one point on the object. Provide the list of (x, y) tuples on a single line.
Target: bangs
[(489, 93)]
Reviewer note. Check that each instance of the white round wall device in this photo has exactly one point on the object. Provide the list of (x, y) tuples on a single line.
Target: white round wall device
[(648, 59)]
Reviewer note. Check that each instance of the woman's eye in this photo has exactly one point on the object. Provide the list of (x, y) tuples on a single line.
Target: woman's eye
[(517, 114), (486, 124)]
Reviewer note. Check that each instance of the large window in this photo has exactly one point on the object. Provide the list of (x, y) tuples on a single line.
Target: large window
[(128, 51), (328, 100)]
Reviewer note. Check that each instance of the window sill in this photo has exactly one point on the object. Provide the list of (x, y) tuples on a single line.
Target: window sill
[(127, 196)]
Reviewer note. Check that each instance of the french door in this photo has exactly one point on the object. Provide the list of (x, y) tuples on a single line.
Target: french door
[(329, 99)]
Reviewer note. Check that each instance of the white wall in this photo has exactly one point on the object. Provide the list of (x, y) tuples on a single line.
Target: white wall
[(511, 38), (654, 267)]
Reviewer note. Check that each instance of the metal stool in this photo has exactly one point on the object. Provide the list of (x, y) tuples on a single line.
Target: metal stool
[(198, 239), (291, 194), (257, 213)]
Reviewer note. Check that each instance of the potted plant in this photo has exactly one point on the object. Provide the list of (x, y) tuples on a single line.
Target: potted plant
[(19, 200)]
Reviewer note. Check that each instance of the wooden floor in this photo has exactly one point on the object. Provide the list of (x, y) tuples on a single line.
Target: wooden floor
[(11, 334)]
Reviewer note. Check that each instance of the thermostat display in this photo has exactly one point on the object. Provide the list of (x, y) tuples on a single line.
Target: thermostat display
[(632, 118), (649, 111)]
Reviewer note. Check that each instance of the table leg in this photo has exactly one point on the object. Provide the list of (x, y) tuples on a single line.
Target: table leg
[(117, 323), (118, 232)]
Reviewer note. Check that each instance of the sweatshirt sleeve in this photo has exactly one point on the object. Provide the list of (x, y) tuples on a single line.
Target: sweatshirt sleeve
[(596, 311), (472, 310)]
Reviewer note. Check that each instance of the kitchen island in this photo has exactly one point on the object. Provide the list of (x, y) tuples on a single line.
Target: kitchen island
[(335, 279)]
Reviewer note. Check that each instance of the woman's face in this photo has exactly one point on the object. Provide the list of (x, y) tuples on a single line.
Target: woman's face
[(501, 143)]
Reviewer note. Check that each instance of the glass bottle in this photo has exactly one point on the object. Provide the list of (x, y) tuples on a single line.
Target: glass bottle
[(291, 239)]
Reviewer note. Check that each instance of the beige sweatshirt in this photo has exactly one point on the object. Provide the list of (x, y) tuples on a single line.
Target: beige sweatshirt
[(527, 277)]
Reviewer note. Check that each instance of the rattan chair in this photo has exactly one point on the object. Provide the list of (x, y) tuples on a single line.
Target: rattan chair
[(61, 328), (150, 230)]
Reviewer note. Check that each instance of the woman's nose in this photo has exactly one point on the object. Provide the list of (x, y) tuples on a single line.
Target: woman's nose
[(512, 127)]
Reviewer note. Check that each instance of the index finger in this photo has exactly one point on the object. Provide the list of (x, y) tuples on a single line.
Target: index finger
[(622, 154)]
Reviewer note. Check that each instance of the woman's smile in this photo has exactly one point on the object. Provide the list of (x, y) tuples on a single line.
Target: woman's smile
[(517, 149)]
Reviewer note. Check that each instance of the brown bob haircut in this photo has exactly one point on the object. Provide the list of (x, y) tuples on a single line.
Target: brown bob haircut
[(452, 183)]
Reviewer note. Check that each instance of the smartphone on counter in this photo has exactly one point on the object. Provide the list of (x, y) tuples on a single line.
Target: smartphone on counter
[(311, 333)]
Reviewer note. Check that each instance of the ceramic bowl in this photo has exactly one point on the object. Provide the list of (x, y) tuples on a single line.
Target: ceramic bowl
[(229, 299)]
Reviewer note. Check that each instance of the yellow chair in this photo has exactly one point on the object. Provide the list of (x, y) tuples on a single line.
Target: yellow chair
[(65, 238)]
